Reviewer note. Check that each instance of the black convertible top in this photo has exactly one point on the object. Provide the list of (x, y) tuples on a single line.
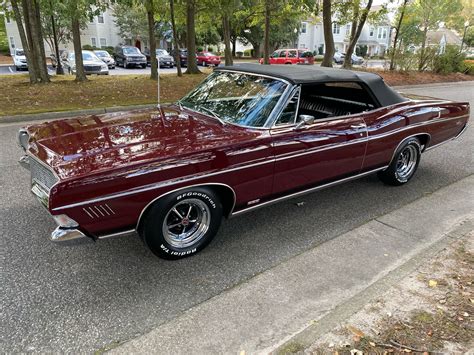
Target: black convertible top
[(308, 74)]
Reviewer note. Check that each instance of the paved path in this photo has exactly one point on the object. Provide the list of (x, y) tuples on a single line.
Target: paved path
[(82, 298)]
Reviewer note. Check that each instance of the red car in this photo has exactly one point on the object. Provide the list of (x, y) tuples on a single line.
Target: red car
[(247, 137), (291, 56), (208, 58)]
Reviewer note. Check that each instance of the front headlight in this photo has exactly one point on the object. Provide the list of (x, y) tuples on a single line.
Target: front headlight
[(64, 221)]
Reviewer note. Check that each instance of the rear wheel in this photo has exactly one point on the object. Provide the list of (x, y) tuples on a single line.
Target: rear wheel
[(182, 223), (403, 165)]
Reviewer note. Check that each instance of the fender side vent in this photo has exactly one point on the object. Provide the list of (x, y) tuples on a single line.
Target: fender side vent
[(98, 211)]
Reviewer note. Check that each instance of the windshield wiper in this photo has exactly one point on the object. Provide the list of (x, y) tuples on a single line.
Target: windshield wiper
[(208, 110)]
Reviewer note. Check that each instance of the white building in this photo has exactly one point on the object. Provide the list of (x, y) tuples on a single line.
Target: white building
[(375, 37)]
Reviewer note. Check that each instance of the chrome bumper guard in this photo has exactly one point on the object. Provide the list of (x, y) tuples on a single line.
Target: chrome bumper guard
[(61, 234), (25, 162)]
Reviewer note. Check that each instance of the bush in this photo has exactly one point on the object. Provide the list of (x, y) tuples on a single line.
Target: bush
[(468, 67), (361, 50), (450, 61), (199, 49), (239, 54), (210, 49), (88, 47), (406, 61), (249, 53)]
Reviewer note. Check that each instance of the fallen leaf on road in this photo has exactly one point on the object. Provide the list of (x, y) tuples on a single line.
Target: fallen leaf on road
[(356, 352), (371, 343), (355, 331), (432, 283)]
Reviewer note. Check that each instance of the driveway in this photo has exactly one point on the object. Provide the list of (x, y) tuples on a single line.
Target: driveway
[(84, 297)]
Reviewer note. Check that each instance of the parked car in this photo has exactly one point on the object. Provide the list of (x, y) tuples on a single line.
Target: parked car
[(106, 58), (288, 56), (128, 56), (19, 59), (164, 58), (183, 56), (246, 137), (339, 58), (53, 59), (92, 64), (207, 58)]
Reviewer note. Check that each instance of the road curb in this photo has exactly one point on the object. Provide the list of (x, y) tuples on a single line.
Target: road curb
[(68, 114), (309, 335)]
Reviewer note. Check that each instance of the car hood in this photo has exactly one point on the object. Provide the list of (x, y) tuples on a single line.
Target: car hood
[(165, 57), (97, 143), (20, 57), (92, 62)]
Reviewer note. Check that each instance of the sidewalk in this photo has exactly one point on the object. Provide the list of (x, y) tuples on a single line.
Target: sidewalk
[(310, 294)]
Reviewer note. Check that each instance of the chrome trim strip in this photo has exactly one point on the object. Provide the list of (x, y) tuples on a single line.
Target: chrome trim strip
[(163, 184), (184, 188), (117, 234), (304, 192)]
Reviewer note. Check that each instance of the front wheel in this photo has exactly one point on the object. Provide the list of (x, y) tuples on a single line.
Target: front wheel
[(403, 165), (182, 223)]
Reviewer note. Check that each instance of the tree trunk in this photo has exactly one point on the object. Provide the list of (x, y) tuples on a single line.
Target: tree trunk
[(355, 34), (328, 38), (421, 63), (33, 49), (59, 66), (76, 38), (175, 39), (151, 35), (397, 34), (26, 45), (266, 36), (39, 43), (226, 30), (191, 37), (234, 45)]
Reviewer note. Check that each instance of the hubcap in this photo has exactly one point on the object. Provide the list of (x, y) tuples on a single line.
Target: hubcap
[(406, 163), (186, 223)]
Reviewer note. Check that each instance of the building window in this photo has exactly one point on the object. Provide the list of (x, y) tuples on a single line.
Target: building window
[(12, 42), (384, 33), (304, 26), (379, 33), (336, 29), (91, 20), (100, 18), (93, 41), (103, 43), (348, 29), (371, 31)]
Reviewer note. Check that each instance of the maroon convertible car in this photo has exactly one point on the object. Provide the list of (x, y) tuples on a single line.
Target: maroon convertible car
[(246, 137)]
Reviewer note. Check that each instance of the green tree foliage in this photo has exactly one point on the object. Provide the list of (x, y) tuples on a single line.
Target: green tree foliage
[(3, 36)]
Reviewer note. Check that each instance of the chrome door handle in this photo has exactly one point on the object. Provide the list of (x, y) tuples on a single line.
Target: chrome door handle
[(358, 126)]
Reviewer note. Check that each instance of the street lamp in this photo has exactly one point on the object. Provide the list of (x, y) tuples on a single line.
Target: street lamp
[(296, 37), (466, 25)]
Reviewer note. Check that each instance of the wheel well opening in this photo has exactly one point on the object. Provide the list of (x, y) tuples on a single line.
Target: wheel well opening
[(226, 194), (424, 140)]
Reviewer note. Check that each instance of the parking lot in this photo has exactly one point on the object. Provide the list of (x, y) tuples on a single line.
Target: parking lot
[(10, 69), (81, 298)]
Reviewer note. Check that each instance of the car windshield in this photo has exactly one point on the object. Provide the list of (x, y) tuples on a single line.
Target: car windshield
[(130, 50), (238, 98), (161, 52), (209, 54), (20, 52), (89, 56), (102, 54)]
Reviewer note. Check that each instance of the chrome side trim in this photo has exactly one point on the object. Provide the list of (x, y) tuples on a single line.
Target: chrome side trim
[(118, 234), (164, 184), (184, 188), (304, 192)]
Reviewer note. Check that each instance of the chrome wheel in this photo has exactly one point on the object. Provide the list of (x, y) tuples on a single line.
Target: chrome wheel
[(186, 223), (406, 163)]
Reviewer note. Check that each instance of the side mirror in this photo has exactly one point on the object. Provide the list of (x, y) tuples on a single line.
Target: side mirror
[(304, 120)]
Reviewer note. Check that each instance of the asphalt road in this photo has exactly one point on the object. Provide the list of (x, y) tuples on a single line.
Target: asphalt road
[(58, 298), (10, 69)]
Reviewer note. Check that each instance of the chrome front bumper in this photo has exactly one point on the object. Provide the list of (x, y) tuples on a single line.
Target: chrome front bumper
[(61, 234)]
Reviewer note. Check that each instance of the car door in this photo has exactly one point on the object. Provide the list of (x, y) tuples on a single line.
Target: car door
[(316, 153), (281, 57)]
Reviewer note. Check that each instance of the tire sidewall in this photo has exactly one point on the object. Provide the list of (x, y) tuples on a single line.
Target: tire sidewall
[(393, 166), (152, 233)]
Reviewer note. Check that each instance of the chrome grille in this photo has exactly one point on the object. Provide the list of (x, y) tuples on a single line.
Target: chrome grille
[(42, 174)]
